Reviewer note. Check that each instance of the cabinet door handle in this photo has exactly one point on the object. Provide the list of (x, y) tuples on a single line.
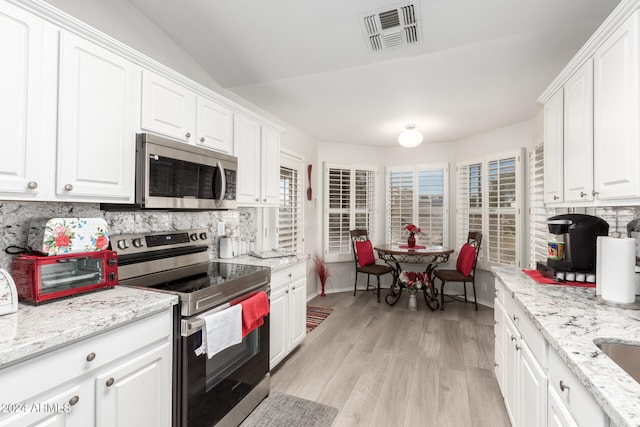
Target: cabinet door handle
[(110, 382), (68, 187), (202, 139), (90, 357), (556, 197), (518, 347), (563, 386), (582, 194), (496, 364), (73, 400), (513, 338), (188, 135), (594, 193), (32, 185)]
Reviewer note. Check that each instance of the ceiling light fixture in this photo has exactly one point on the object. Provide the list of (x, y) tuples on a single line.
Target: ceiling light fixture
[(410, 137)]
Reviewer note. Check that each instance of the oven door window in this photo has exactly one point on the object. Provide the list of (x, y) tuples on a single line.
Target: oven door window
[(212, 387)]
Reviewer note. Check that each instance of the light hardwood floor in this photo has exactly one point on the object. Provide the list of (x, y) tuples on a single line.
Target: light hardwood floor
[(388, 366)]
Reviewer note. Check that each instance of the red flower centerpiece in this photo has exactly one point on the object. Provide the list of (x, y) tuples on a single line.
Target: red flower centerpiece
[(412, 230)]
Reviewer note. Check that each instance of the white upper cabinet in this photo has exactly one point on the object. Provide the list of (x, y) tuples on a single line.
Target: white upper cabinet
[(258, 150), (96, 136), (616, 114), (578, 135), (270, 187), (214, 125), (167, 107), (553, 146), (597, 140), (171, 109), (246, 135), (26, 111)]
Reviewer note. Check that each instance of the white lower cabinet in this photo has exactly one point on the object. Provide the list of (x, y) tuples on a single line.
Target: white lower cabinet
[(121, 377), (288, 312), (522, 378), (538, 387)]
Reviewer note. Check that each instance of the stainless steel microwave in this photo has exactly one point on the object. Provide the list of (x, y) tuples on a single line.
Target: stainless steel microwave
[(177, 176)]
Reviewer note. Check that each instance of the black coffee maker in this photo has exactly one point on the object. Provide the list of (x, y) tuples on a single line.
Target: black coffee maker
[(572, 247)]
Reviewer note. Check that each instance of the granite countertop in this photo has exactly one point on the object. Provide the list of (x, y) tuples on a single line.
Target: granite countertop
[(34, 330), (275, 264), (570, 319)]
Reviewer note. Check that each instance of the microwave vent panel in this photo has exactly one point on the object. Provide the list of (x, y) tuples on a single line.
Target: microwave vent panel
[(391, 27)]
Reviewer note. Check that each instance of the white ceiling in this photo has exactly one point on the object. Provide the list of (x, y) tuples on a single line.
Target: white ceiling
[(480, 64)]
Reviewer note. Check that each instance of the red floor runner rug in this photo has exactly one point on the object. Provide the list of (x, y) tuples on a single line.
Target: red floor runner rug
[(315, 316)]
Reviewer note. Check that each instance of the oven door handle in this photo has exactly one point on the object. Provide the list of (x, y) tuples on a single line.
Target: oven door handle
[(189, 327)]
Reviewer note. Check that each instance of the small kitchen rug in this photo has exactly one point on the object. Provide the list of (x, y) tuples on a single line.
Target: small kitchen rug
[(280, 409), (315, 316)]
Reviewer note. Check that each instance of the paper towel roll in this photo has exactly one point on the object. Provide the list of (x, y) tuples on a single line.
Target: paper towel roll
[(615, 268)]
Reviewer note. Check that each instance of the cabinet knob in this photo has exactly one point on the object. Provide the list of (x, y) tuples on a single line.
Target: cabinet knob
[(202, 139), (513, 338), (496, 364), (68, 187), (594, 193), (495, 322), (32, 185), (257, 200), (91, 357), (293, 288), (582, 194), (517, 347), (110, 382), (287, 291), (563, 386), (556, 197), (264, 200), (188, 135), (74, 400), (515, 318)]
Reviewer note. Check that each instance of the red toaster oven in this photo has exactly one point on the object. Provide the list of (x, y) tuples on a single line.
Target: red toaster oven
[(44, 278)]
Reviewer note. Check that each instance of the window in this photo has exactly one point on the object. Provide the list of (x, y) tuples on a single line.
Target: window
[(489, 199), (349, 204), (417, 195), (538, 214), (290, 215)]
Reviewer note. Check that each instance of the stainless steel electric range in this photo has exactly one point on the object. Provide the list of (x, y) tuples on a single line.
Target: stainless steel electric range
[(222, 390)]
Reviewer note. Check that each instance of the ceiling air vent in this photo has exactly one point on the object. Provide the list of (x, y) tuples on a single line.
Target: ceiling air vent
[(385, 29)]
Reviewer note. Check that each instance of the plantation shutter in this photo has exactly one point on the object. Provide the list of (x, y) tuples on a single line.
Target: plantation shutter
[(503, 179), (349, 204), (417, 195), (290, 215), (469, 201), (538, 213), (431, 205), (365, 201), (399, 203)]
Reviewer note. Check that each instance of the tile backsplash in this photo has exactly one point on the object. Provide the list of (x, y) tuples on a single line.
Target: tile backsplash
[(15, 218)]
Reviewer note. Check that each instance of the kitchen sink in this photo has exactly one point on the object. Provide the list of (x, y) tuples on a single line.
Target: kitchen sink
[(627, 356)]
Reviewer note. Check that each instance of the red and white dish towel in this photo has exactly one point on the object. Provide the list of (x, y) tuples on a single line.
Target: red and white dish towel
[(225, 328)]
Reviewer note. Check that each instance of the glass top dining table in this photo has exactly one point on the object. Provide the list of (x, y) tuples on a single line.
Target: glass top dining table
[(395, 255)]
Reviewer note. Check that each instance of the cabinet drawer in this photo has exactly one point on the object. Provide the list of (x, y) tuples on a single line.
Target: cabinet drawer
[(534, 339), (582, 405), (42, 373), (286, 275)]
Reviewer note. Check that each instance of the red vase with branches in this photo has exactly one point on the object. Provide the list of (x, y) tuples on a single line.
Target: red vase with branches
[(323, 272)]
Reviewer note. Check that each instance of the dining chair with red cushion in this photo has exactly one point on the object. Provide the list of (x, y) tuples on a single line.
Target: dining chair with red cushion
[(465, 271), (365, 259)]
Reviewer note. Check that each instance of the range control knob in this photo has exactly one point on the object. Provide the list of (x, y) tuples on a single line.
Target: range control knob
[(122, 244), (137, 242), (193, 237), (203, 236)]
